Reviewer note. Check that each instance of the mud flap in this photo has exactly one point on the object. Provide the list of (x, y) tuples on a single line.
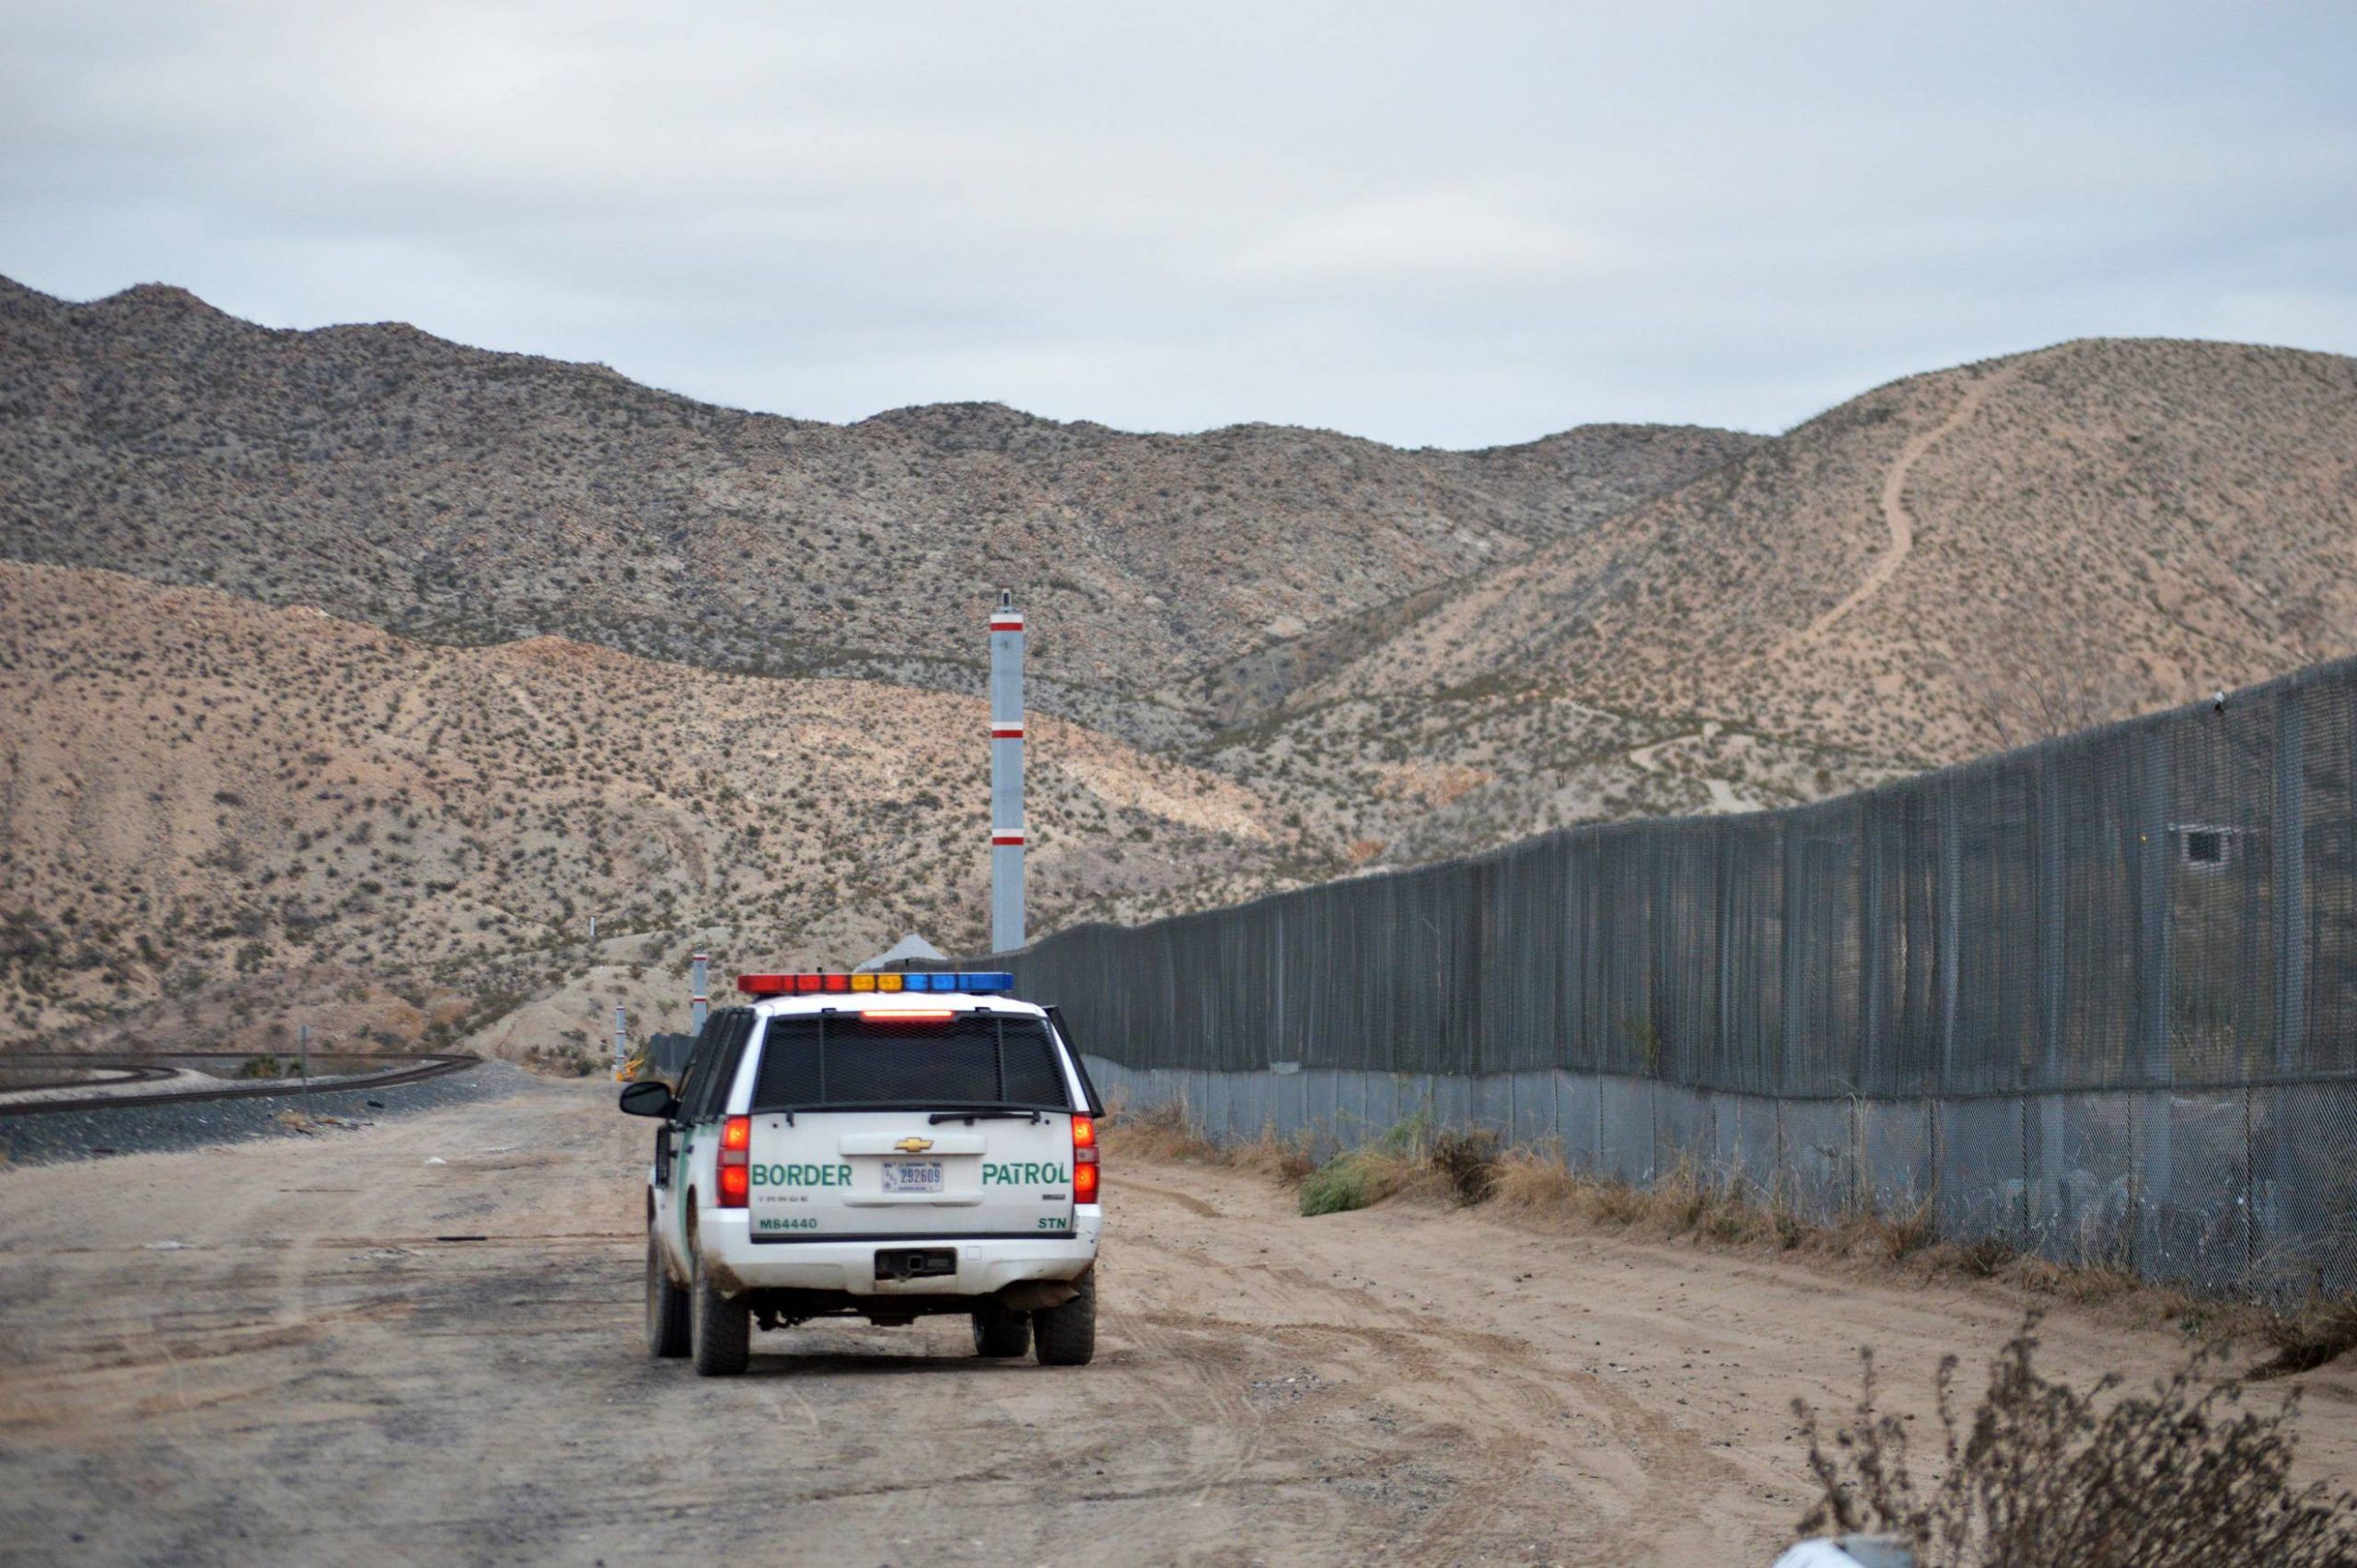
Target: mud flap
[(1037, 1296)]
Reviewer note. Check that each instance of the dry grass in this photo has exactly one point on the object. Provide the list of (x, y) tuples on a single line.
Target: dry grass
[(1171, 1133), (2309, 1337), (1682, 1204), (1156, 1132), (2044, 1474), (1536, 1187)]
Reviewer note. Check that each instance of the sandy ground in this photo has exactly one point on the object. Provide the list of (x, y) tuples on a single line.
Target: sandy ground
[(313, 1375)]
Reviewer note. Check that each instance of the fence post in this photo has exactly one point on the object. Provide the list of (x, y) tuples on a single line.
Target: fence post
[(2153, 890), (1862, 1189), (1874, 949), (1950, 956), (2290, 953), (1723, 927), (1597, 1141), (1794, 953), (2291, 884), (1652, 1128), (2053, 958), (1779, 1175)]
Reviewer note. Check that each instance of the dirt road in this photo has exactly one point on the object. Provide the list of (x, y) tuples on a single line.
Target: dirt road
[(310, 1372)]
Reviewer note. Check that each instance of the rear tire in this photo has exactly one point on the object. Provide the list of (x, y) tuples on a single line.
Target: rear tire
[(667, 1305), (722, 1331), (1001, 1334), (1066, 1335)]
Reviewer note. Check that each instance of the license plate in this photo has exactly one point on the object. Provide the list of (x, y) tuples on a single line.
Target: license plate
[(911, 1176)]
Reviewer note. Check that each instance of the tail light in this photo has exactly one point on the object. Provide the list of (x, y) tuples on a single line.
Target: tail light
[(736, 1168), (1084, 1172)]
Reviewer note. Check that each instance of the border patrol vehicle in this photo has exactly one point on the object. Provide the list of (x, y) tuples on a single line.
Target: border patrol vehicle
[(879, 1145)]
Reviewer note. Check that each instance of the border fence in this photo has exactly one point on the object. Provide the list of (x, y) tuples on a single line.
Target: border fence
[(2096, 997)]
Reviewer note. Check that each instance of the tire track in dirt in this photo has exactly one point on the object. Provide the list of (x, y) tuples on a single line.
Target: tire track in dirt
[(1493, 1401), (1405, 1383)]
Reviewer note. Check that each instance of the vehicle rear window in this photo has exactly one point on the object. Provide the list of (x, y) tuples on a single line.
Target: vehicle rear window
[(843, 1061)]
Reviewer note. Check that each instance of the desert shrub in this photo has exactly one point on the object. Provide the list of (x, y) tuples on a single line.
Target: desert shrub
[(1372, 1172), (1469, 1163), (2049, 1474), (2310, 1337), (1984, 1257), (1341, 1184)]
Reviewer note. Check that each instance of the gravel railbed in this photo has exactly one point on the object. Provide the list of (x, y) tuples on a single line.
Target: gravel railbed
[(133, 1128)]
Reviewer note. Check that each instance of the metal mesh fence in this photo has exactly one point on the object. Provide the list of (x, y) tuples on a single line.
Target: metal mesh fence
[(2098, 995)]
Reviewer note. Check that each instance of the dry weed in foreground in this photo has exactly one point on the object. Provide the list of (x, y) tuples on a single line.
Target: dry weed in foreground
[(2047, 1475)]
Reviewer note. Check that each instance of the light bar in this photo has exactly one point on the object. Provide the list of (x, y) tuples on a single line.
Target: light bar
[(972, 982)]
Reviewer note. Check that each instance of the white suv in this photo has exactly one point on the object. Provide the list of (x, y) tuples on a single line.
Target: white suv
[(883, 1146)]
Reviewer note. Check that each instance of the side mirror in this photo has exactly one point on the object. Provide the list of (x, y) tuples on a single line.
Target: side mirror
[(648, 1097)]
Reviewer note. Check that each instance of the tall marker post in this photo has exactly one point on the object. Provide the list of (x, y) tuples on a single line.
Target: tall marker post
[(1006, 775), (699, 1001)]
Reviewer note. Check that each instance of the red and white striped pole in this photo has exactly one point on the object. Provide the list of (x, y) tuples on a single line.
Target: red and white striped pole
[(1006, 776)]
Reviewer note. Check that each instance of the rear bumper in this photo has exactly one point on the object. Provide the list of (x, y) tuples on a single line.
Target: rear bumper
[(985, 1264)]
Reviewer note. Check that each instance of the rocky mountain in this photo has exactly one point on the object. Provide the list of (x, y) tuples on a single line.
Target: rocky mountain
[(455, 494), (355, 669), (1950, 564)]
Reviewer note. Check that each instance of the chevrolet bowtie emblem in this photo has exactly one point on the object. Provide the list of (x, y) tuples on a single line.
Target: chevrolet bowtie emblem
[(913, 1145)]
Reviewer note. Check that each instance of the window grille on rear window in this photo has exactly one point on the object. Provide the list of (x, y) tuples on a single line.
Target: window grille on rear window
[(840, 1062), (718, 1074)]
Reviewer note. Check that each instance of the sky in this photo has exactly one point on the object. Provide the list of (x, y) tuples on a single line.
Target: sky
[(1449, 224)]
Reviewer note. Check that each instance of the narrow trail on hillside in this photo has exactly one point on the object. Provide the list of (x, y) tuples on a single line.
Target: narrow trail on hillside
[(1893, 505), (1725, 797)]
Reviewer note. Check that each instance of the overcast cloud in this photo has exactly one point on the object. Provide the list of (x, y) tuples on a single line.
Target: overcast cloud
[(1448, 224)]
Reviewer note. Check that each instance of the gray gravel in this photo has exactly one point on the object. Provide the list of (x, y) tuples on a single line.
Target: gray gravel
[(140, 1129)]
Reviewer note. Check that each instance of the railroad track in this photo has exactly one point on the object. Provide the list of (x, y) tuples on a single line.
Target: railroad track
[(400, 1070)]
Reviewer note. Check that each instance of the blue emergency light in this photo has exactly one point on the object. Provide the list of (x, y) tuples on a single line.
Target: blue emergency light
[(972, 980)]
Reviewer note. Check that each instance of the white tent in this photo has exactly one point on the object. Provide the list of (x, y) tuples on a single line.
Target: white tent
[(911, 948)]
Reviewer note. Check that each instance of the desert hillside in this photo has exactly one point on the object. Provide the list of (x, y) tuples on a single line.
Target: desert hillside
[(1952, 562), (341, 660), (199, 790), (456, 494)]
